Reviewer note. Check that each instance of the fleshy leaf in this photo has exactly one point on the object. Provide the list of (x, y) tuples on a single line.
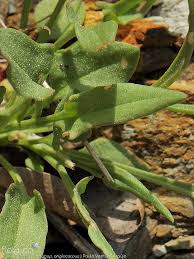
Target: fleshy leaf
[(117, 104), (113, 151), (81, 70), (94, 232), (45, 9), (29, 63), (124, 11), (182, 108), (121, 7), (123, 180), (98, 37), (23, 225)]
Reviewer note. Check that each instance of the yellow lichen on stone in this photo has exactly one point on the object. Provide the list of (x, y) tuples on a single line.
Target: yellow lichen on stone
[(93, 14)]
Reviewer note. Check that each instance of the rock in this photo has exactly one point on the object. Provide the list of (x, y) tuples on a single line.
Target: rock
[(153, 59), (176, 203), (159, 250), (182, 256), (163, 230), (146, 33), (181, 243), (175, 14), (119, 215), (183, 85)]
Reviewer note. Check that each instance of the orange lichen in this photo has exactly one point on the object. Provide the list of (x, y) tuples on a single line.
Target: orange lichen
[(144, 32)]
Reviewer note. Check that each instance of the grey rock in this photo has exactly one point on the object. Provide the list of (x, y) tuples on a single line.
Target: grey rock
[(159, 250), (175, 14)]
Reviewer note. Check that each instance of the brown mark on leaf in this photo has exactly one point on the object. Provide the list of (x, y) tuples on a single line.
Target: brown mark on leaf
[(104, 46), (124, 62), (66, 134), (108, 87)]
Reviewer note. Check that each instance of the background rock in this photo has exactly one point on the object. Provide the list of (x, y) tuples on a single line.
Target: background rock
[(175, 14)]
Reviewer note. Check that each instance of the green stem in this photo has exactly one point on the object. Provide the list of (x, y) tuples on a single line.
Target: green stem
[(5, 136), (37, 123), (183, 58), (11, 170), (25, 13), (16, 109), (99, 162), (59, 167), (44, 34), (65, 37), (171, 184), (55, 161)]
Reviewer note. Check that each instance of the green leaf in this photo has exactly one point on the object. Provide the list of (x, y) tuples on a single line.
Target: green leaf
[(29, 63), (120, 7), (113, 151), (123, 180), (23, 225), (124, 19), (182, 108), (117, 104), (125, 11), (109, 150), (81, 70), (95, 38), (62, 23), (93, 231)]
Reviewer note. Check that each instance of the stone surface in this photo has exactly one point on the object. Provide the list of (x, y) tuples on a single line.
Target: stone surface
[(181, 243), (163, 230), (176, 203), (147, 32), (175, 14), (159, 250)]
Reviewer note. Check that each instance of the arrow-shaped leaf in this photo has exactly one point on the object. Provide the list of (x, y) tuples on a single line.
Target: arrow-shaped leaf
[(117, 104), (98, 37), (29, 63), (81, 70)]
